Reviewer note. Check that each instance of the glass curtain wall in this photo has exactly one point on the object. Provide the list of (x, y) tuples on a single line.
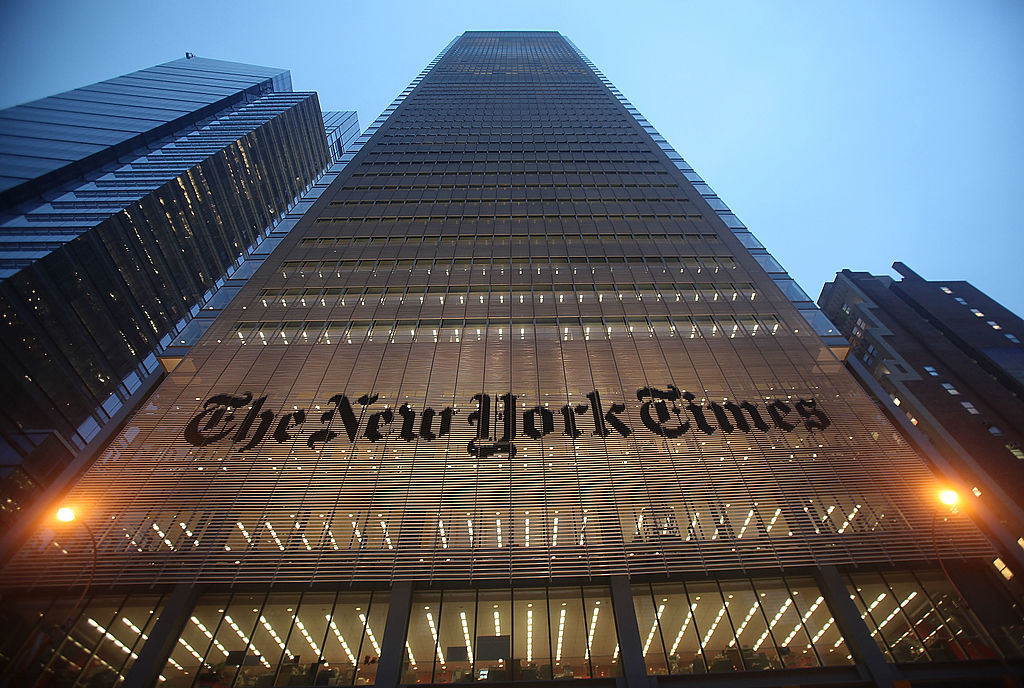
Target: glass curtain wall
[(280, 639), (456, 636), (736, 625)]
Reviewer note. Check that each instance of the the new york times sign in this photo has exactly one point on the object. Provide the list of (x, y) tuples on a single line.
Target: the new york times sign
[(666, 413)]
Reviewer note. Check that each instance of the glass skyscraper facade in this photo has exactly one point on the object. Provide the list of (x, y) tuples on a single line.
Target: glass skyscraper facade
[(125, 206), (517, 399)]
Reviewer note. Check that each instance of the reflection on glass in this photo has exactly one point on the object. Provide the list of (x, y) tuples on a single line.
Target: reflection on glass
[(739, 625)]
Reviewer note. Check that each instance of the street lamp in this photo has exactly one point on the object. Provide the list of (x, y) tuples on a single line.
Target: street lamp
[(949, 497), (66, 514)]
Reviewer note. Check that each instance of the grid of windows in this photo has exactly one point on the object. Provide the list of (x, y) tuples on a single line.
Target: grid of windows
[(529, 452)]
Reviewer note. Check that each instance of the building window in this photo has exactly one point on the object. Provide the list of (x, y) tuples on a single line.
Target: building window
[(994, 430), (970, 407), (1012, 338), (916, 616), (303, 638), (994, 325), (950, 388), (870, 354), (1015, 449), (744, 625), (977, 313), (960, 301), (1002, 568), (946, 290), (931, 371), (538, 634)]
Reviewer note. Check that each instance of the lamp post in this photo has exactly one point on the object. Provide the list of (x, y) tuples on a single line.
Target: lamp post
[(950, 499), (66, 514)]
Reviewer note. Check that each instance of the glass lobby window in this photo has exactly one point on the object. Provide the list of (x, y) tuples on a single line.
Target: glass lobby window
[(103, 642), (501, 634), (750, 625), (740, 625), (818, 633), (280, 639), (601, 639), (919, 618)]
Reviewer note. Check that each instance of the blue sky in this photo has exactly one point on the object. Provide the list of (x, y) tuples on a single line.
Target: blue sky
[(845, 135)]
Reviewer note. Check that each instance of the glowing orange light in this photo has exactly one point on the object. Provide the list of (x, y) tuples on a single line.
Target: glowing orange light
[(65, 514), (949, 497)]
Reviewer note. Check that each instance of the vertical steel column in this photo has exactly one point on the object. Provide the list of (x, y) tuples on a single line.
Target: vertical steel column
[(864, 650), (392, 646), (631, 650), (163, 638)]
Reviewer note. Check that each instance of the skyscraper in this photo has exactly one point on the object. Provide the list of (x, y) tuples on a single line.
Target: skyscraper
[(124, 206), (951, 359), (517, 399)]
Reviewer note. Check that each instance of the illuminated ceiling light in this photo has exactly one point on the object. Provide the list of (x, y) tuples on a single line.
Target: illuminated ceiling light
[(387, 536), (686, 622), (245, 639), (803, 620), (305, 634), (341, 639), (529, 635), (821, 631), (593, 627), (273, 534), (714, 626), (743, 625), (205, 631), (440, 655), (465, 635), (654, 628), (893, 613), (412, 660), (775, 620), (273, 634), (561, 632)]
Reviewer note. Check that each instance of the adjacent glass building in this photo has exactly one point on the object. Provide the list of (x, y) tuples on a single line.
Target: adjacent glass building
[(518, 399), (124, 207)]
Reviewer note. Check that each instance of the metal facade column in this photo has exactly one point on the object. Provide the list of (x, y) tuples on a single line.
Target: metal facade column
[(163, 638), (864, 650), (392, 646), (634, 669)]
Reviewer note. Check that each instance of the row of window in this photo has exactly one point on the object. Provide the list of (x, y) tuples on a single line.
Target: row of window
[(441, 295), (500, 159), (497, 240), (522, 184), (978, 314), (458, 329), (520, 266), (521, 633), (459, 529), (441, 174), (968, 406), (590, 217)]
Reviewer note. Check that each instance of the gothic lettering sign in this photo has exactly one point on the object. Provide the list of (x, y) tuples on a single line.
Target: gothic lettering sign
[(668, 413)]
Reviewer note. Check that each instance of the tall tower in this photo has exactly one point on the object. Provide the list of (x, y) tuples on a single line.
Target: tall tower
[(517, 399), (948, 361), (125, 206)]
